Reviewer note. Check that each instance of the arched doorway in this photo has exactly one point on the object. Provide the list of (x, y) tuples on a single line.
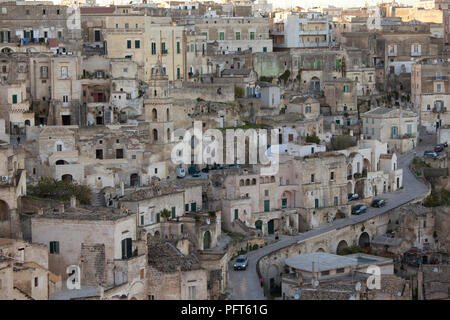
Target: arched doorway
[(273, 276), (134, 179), (271, 227), (341, 245), (359, 188), (258, 224), (61, 162), (364, 240), (156, 235), (4, 211), (27, 122), (207, 240), (154, 115), (67, 177), (314, 84), (320, 250)]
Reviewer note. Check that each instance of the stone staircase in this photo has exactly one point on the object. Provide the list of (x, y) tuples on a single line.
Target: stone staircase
[(98, 199)]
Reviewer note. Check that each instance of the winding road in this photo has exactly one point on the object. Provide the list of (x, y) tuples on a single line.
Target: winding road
[(244, 285)]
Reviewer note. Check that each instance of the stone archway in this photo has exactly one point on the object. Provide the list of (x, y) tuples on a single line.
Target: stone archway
[(134, 180), (67, 177), (320, 250), (341, 246), (157, 234), (273, 279), (207, 240), (359, 188), (364, 240)]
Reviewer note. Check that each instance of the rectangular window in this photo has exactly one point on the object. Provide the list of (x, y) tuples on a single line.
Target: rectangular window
[(252, 36), (54, 247), (137, 44), (14, 98), (264, 49), (236, 214), (119, 153), (186, 207), (128, 44), (192, 293), (332, 175), (194, 206), (316, 203), (325, 273), (312, 178), (153, 48), (178, 73), (345, 88), (64, 72), (97, 35), (44, 72), (59, 147), (266, 193), (142, 220), (238, 36), (163, 48), (221, 35), (336, 201), (340, 270), (174, 209), (36, 282), (409, 129), (178, 47), (99, 154), (283, 203)]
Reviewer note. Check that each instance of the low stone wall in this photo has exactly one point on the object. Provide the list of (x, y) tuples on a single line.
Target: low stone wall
[(207, 93)]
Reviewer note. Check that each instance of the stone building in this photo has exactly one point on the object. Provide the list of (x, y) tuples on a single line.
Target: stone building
[(430, 92), (103, 242), (174, 274), (397, 127)]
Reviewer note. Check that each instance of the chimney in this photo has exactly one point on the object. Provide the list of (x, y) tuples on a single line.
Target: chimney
[(73, 202), (61, 208)]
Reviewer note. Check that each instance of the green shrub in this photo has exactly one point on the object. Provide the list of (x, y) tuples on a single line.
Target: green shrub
[(238, 92), (313, 139), (62, 190), (437, 198)]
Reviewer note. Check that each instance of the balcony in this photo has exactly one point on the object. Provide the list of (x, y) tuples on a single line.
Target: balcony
[(127, 31)]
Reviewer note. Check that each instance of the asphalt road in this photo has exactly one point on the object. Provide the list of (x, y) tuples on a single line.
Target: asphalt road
[(244, 285)]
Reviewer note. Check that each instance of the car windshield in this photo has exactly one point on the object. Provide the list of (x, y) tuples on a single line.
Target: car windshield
[(240, 260)]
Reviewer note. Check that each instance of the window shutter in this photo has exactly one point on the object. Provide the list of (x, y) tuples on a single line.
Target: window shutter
[(129, 247), (9, 36), (2, 36), (123, 249)]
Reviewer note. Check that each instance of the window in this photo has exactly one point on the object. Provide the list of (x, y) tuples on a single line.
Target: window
[(332, 175), (316, 203), (266, 193), (54, 247), (44, 72), (283, 203), (178, 73), (119, 153), (186, 207), (153, 48), (345, 88), (192, 292), (178, 47), (409, 129), (336, 201), (238, 36), (266, 205), (59, 147), (308, 109), (173, 212), (340, 270), (36, 282), (142, 220), (325, 273), (221, 35), (312, 178), (373, 131), (14, 98), (236, 214), (64, 72), (373, 120), (65, 98), (438, 87), (137, 44), (163, 48), (264, 49), (127, 246), (128, 44), (252, 36), (126, 26)]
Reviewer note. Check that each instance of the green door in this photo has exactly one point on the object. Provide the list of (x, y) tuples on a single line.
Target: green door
[(316, 203), (283, 203), (266, 205), (270, 227), (186, 207), (258, 224), (236, 214), (126, 248), (193, 206), (173, 212)]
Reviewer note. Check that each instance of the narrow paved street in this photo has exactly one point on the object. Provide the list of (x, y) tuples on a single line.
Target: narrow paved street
[(244, 285)]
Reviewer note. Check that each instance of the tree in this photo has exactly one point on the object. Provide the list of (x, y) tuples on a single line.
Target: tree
[(61, 190), (285, 76), (313, 139), (238, 92), (165, 213)]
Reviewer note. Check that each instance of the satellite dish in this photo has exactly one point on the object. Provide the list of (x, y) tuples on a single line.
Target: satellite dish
[(296, 296), (358, 286)]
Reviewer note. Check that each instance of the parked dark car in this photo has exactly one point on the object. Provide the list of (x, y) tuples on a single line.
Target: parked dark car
[(378, 203), (359, 209), (241, 263), (438, 148), (353, 196)]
